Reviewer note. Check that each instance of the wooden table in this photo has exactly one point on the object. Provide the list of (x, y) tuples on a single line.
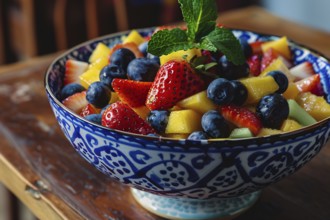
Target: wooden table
[(38, 164)]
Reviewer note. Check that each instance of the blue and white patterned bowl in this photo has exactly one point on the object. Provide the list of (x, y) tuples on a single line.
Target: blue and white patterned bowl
[(196, 170)]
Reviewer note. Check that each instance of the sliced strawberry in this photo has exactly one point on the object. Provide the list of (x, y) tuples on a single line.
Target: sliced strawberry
[(73, 69), (88, 110), (308, 84), (302, 70), (133, 93), (268, 57), (76, 102), (242, 117), (131, 46), (254, 63), (121, 117), (256, 47), (175, 80)]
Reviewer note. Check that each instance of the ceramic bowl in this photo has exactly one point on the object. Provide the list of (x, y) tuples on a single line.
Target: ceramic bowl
[(182, 179)]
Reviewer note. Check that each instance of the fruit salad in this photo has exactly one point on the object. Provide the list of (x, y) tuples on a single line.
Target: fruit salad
[(196, 82)]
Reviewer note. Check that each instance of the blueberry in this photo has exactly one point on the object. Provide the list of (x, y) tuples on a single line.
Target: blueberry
[(220, 91), (273, 109), (109, 72), (281, 80), (240, 93), (229, 70), (154, 58), (98, 94), (122, 57), (96, 118), (70, 89), (214, 124), (144, 48), (198, 135), (158, 119), (142, 69), (247, 49)]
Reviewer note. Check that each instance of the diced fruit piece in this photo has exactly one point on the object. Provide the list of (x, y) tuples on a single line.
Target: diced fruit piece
[(181, 55), (142, 111), (258, 87), (302, 70), (240, 133), (278, 65), (183, 122), (215, 125), (101, 50), (291, 92), (142, 69), (98, 94), (70, 89), (174, 81), (256, 47), (290, 125), (88, 110), (131, 46), (122, 57), (308, 84), (134, 37), (76, 102), (281, 45), (99, 63), (221, 91), (268, 131), (229, 70), (133, 93), (254, 63), (299, 114), (89, 77), (73, 69), (273, 109), (268, 57), (198, 135), (158, 119), (198, 102), (242, 117), (110, 72), (114, 98), (121, 117), (177, 136), (316, 106)]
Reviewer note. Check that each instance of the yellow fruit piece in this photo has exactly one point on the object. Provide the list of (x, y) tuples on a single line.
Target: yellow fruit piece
[(198, 102), (177, 136), (180, 55), (281, 45), (316, 106), (278, 64), (88, 77), (291, 92), (101, 50), (114, 98), (258, 87), (290, 125), (183, 122), (142, 111), (268, 131), (134, 37), (99, 63)]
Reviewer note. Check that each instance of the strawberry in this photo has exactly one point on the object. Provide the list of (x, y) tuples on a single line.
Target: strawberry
[(73, 69), (302, 70), (242, 117), (134, 93), (308, 84), (268, 57), (76, 102), (121, 117), (254, 63), (88, 110), (175, 80), (131, 46), (256, 47)]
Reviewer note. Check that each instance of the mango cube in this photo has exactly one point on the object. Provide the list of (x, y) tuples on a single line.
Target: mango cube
[(183, 122), (88, 77), (198, 102), (99, 63), (134, 37), (180, 55), (101, 50), (278, 64), (291, 92), (316, 106), (281, 45), (290, 125)]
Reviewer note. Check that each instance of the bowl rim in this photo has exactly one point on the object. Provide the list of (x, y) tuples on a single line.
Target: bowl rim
[(274, 137)]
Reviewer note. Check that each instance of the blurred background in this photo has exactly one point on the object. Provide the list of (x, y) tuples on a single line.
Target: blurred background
[(36, 27)]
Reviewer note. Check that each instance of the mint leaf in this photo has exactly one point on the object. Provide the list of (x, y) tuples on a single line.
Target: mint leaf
[(223, 39), (166, 41), (200, 17)]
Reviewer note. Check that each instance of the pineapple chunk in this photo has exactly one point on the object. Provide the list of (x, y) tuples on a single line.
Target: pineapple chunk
[(281, 45), (258, 87), (278, 64), (180, 55), (99, 63), (198, 102), (183, 122), (101, 50), (88, 77), (316, 106), (291, 92), (177, 136), (290, 125), (268, 131), (134, 37)]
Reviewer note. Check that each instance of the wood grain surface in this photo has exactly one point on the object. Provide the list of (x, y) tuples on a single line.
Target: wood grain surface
[(39, 165)]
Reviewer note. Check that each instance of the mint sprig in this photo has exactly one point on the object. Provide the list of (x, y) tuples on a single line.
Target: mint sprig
[(202, 32)]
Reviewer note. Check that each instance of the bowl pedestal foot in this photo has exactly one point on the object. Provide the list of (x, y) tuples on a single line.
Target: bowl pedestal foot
[(190, 209)]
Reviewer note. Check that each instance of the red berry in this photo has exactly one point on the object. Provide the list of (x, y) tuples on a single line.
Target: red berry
[(254, 62), (175, 80), (73, 69), (76, 102), (89, 109), (268, 57)]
